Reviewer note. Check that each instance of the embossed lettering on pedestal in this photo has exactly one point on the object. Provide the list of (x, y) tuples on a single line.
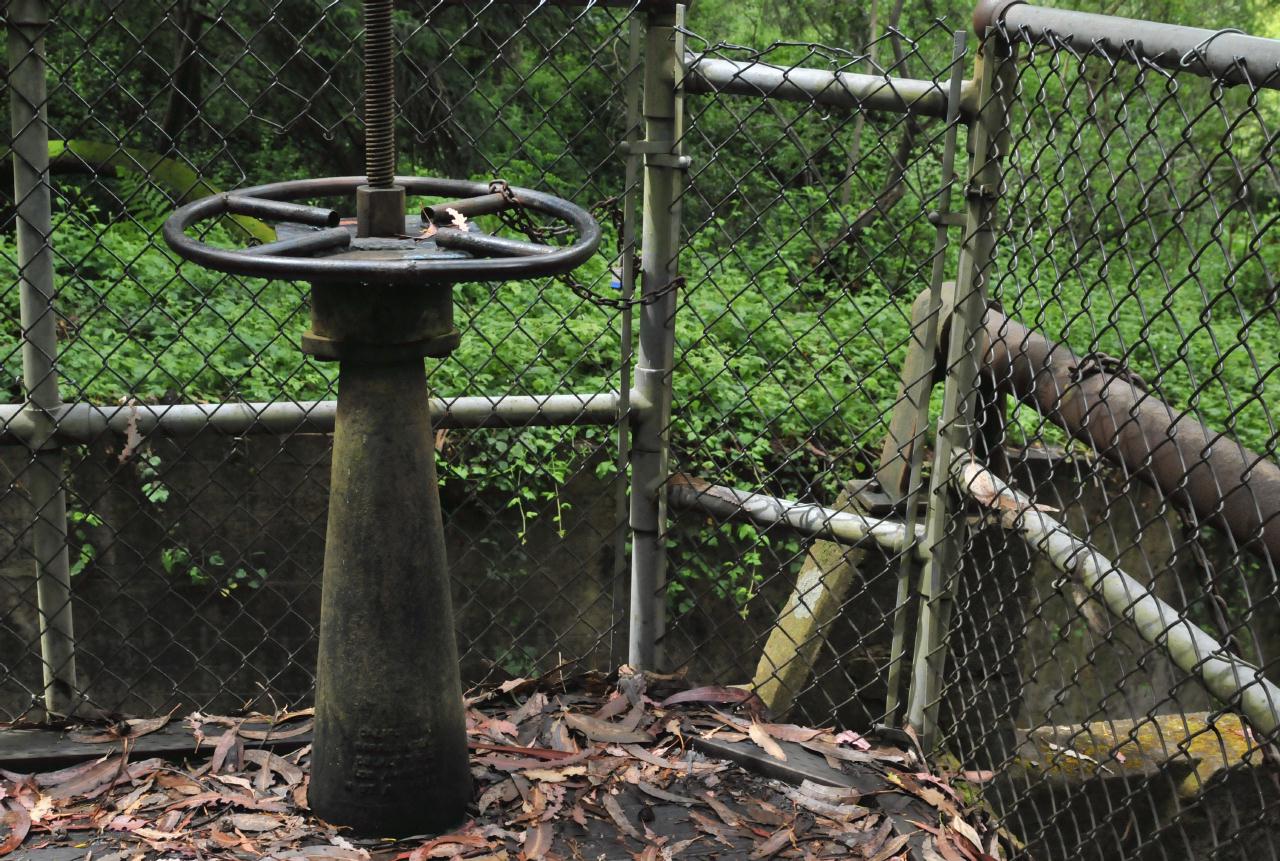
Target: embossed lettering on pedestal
[(385, 759)]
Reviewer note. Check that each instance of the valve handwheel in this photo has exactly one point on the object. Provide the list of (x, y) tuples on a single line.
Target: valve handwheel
[(335, 253)]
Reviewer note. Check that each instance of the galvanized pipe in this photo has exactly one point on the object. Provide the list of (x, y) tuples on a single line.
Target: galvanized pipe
[(908, 442), (1224, 55), (803, 518), (26, 22), (655, 358), (1235, 682), (959, 401), (822, 87), (1225, 484), (82, 423)]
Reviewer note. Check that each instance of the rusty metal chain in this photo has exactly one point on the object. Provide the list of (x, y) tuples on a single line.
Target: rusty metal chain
[(517, 218)]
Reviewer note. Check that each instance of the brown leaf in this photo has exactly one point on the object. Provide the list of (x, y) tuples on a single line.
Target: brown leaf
[(765, 742), (537, 842), (552, 775), (712, 694), (600, 730), (967, 831), (449, 846), (270, 762), (774, 843), (619, 818), (103, 772), (223, 749), (893, 847), (276, 731), (255, 822), (663, 795), (14, 825)]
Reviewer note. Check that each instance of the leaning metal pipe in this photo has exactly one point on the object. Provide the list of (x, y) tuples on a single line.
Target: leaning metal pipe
[(81, 423), (1224, 55), (1224, 483), (1236, 683), (813, 521), (822, 87)]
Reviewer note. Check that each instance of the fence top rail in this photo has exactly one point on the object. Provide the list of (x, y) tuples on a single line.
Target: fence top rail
[(1227, 55), (853, 90)]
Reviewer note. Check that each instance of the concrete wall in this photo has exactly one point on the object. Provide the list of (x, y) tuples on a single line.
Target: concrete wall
[(152, 636)]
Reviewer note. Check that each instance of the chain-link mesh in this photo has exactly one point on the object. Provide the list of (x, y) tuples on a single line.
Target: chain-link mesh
[(1134, 300), (1133, 276), (195, 558), (807, 238)]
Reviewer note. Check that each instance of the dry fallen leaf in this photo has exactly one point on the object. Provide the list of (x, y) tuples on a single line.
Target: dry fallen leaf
[(766, 742), (619, 818), (893, 847), (600, 730), (537, 842), (449, 846), (711, 694), (554, 775), (14, 825), (967, 831), (773, 844)]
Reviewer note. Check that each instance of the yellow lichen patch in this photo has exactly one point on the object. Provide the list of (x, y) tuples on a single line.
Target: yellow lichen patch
[(1193, 743)]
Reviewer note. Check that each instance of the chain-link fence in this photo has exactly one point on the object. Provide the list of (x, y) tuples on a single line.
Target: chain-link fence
[(195, 544), (1135, 331), (784, 341)]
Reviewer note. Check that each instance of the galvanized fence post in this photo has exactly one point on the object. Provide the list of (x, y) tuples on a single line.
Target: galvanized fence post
[(959, 404), (627, 276), (909, 422), (664, 168), (27, 21)]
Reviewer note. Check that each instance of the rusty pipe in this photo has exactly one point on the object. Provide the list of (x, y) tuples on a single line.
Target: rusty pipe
[(1225, 484)]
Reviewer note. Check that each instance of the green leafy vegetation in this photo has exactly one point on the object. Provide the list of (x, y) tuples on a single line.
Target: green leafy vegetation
[(789, 341)]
